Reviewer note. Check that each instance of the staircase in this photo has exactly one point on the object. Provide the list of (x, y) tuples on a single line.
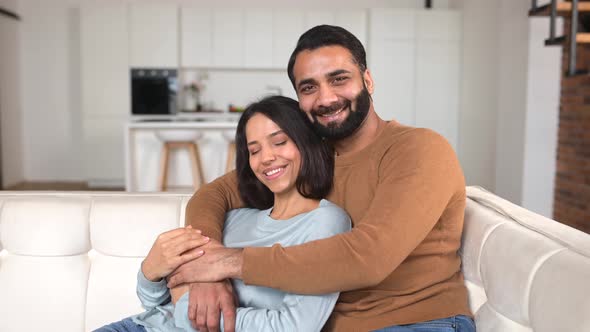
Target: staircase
[(579, 13)]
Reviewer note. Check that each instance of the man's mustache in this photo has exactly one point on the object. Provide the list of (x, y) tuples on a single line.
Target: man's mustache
[(333, 107)]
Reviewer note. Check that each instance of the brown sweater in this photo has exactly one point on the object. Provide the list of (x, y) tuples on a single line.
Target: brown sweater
[(405, 194)]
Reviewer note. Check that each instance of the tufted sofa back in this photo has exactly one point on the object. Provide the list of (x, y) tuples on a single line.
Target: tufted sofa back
[(524, 272), (68, 261)]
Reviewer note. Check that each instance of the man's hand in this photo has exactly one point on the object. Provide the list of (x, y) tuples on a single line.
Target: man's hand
[(217, 264), (172, 249), (206, 300)]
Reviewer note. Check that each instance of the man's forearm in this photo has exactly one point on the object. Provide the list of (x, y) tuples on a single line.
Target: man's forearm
[(218, 263), (229, 263)]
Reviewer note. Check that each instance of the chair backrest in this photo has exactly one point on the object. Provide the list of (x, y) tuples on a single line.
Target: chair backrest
[(524, 272)]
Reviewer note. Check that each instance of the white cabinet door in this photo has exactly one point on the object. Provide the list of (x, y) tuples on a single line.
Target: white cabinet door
[(415, 60), (104, 59), (153, 35), (318, 17), (196, 37), (288, 25), (258, 38), (228, 41), (391, 61), (354, 21), (105, 89), (438, 72)]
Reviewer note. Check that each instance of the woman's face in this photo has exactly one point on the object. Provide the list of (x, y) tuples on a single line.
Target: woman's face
[(274, 157)]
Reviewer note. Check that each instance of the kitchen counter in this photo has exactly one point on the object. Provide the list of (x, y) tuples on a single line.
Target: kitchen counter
[(143, 142)]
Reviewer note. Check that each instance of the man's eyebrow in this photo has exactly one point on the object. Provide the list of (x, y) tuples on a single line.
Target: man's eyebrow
[(278, 132), (306, 81), (337, 72)]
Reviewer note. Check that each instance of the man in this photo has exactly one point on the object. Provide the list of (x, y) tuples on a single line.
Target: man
[(403, 188)]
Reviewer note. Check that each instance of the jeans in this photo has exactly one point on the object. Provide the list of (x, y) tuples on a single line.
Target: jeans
[(126, 325), (452, 324)]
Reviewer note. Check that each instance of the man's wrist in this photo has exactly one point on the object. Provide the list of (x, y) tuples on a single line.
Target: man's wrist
[(234, 263)]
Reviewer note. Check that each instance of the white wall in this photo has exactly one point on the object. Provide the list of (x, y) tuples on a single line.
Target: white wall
[(10, 5), (478, 108), (510, 102), (542, 116), (10, 107), (512, 99), (50, 87)]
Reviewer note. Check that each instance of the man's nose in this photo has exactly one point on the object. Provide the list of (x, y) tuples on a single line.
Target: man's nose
[(326, 97)]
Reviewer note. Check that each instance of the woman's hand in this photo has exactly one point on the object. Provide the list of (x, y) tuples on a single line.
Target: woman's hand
[(172, 249)]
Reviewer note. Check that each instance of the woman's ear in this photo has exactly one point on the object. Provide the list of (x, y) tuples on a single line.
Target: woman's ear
[(368, 81)]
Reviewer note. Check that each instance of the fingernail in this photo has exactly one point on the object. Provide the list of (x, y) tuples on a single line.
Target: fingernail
[(207, 239), (200, 252)]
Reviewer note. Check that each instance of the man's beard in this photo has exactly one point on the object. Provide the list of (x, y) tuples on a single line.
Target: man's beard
[(336, 131)]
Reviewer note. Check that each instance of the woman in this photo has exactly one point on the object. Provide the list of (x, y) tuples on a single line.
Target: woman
[(284, 171)]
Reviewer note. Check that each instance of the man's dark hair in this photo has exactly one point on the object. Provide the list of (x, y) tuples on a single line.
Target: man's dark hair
[(328, 35), (316, 174)]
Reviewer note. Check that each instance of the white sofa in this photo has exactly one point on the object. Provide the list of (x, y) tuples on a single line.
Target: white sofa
[(68, 261)]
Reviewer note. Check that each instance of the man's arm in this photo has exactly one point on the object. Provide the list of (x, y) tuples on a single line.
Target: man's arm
[(206, 209), (418, 179)]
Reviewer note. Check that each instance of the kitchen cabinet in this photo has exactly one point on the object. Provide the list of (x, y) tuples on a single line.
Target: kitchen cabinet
[(438, 72), (415, 60), (228, 38), (196, 37), (105, 91), (287, 25), (253, 38), (391, 61), (104, 59), (153, 29), (258, 38)]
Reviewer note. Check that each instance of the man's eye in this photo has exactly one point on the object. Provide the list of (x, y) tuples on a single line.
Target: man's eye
[(340, 79), (306, 88)]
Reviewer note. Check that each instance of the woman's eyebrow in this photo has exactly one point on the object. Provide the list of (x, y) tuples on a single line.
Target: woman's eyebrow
[(278, 132)]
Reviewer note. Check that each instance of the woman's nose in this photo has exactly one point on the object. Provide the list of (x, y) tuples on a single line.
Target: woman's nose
[(268, 155)]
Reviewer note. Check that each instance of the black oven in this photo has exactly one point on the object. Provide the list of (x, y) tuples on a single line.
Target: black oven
[(153, 91)]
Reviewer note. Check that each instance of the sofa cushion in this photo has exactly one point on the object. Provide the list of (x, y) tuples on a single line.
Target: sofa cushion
[(128, 226), (45, 226)]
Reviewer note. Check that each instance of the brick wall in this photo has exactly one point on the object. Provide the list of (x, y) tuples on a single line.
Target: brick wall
[(572, 181)]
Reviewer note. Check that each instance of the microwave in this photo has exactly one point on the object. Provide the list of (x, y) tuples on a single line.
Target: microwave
[(153, 91)]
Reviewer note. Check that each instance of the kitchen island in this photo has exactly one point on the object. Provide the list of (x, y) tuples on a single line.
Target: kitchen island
[(144, 139)]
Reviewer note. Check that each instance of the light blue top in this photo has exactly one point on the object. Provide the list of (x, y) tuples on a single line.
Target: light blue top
[(260, 308)]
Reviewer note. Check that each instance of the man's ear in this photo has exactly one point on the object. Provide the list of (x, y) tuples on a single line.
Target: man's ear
[(368, 79)]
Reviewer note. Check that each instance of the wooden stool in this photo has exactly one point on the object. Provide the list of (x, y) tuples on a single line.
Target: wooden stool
[(231, 156), (194, 155), (230, 162)]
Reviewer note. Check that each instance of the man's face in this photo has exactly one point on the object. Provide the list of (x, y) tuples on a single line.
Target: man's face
[(332, 91)]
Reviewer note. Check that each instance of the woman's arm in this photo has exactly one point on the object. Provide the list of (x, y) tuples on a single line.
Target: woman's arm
[(151, 293)]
